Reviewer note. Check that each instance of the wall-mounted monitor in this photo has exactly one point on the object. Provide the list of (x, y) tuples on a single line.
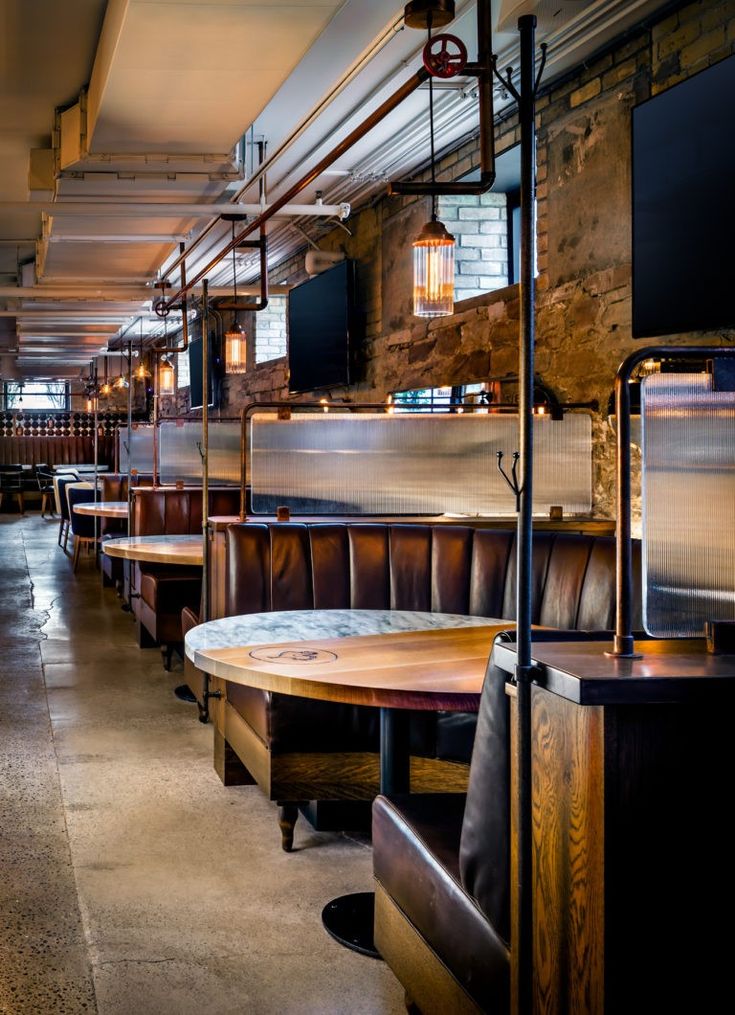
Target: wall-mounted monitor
[(320, 329), (683, 207), (196, 379)]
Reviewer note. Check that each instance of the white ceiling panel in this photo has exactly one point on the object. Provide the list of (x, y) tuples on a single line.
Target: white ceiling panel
[(189, 77)]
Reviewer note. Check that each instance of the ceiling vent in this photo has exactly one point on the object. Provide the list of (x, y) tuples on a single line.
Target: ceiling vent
[(317, 261), (550, 14)]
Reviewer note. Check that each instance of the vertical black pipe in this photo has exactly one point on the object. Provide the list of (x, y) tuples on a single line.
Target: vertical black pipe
[(205, 449), (485, 87), (524, 547)]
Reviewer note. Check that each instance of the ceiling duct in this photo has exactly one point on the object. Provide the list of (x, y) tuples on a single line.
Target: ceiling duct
[(550, 14)]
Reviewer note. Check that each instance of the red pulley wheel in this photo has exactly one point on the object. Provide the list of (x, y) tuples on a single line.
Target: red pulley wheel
[(445, 56)]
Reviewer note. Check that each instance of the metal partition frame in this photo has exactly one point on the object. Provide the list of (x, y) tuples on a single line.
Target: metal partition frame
[(191, 440), (483, 468), (624, 641)]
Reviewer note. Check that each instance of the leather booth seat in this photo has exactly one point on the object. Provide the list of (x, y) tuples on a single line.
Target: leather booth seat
[(68, 450), (162, 591), (442, 876), (299, 750)]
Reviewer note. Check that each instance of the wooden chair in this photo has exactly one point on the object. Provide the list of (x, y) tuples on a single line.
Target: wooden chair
[(11, 483), (45, 482), (83, 528)]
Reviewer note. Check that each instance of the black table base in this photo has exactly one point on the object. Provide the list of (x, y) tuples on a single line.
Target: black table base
[(349, 919)]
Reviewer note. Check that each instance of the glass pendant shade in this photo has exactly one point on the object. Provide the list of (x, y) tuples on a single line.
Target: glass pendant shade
[(141, 372), (433, 271), (235, 351), (106, 389), (121, 382), (166, 379)]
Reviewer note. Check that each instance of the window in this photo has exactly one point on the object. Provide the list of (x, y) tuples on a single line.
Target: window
[(270, 330), (182, 369), (486, 229), (439, 399), (34, 395)]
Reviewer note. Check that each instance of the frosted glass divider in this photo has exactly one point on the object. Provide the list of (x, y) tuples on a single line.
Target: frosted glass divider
[(179, 452), (136, 449), (413, 463), (688, 504)]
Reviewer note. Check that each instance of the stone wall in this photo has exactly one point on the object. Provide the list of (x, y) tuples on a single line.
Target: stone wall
[(584, 246)]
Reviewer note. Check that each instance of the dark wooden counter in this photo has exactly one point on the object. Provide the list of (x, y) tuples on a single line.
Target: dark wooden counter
[(633, 879), (674, 671)]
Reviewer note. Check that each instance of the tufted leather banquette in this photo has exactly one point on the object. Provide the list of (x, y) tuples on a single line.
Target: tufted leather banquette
[(163, 591), (54, 450), (448, 569)]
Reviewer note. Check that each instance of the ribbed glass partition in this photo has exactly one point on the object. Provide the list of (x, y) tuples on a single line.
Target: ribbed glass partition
[(136, 449), (179, 452), (688, 504), (417, 463)]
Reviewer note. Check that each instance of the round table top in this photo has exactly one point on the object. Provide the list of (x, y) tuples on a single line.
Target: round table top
[(389, 658), (103, 508), (157, 549)]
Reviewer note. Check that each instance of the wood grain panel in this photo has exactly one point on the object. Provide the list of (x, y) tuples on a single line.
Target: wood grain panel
[(435, 669), (568, 856)]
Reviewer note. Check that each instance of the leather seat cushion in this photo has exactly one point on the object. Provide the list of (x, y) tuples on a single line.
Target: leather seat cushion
[(416, 860), (291, 724), (171, 589)]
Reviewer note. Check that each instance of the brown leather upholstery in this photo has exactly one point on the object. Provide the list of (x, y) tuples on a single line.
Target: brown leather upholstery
[(415, 861), (54, 450), (417, 567), (165, 590)]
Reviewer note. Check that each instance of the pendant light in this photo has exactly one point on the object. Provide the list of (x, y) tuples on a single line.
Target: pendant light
[(141, 372), (166, 377), (433, 249), (122, 382), (106, 387), (235, 338)]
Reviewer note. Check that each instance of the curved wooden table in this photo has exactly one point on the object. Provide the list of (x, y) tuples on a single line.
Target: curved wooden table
[(396, 660), (157, 549), (103, 508)]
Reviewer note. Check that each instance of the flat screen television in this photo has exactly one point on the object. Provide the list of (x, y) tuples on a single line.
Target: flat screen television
[(683, 206), (320, 329), (196, 378)]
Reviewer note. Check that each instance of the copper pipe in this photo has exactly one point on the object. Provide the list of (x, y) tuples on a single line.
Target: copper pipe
[(356, 135), (483, 71)]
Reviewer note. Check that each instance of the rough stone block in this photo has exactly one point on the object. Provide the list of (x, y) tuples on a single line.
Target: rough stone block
[(702, 47), (585, 93), (677, 40)]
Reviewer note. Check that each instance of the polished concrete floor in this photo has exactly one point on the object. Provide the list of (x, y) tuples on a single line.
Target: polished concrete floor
[(131, 881)]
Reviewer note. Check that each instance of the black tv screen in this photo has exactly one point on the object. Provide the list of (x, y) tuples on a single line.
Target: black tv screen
[(683, 206), (196, 378), (319, 329)]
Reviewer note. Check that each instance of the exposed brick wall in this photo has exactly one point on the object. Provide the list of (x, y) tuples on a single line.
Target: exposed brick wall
[(479, 224), (584, 245), (270, 330)]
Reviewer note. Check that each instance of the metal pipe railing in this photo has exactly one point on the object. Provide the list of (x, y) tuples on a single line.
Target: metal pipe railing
[(483, 71), (624, 641)]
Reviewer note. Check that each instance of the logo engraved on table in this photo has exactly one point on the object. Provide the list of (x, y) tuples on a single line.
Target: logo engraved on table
[(306, 656)]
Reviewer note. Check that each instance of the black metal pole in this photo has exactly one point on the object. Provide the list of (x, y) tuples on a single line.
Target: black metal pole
[(524, 542)]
